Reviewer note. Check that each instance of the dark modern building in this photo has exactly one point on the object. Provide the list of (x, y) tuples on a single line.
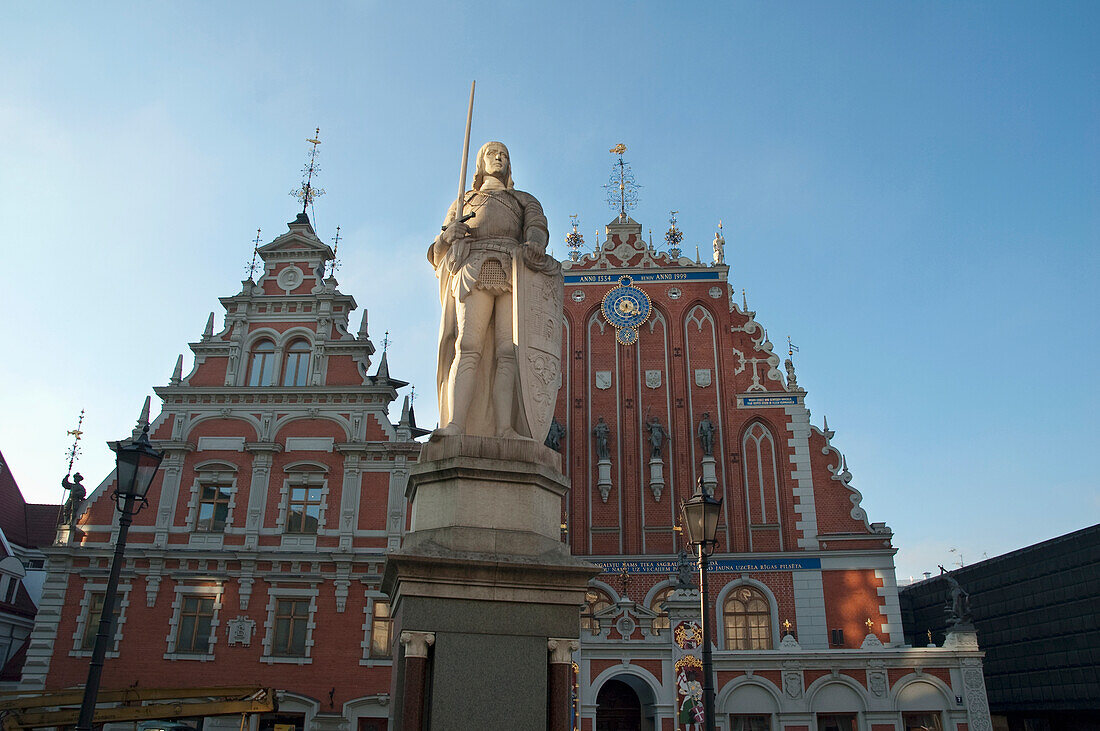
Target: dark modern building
[(1037, 615)]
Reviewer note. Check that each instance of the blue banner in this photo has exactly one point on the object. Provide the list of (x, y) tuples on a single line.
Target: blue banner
[(642, 277), (769, 400), (731, 565)]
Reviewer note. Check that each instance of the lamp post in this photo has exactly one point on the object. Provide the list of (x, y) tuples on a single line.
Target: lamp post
[(135, 465), (699, 516)]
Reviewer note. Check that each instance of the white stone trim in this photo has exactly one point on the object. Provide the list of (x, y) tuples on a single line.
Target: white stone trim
[(212, 474), (309, 444), (222, 444), (890, 606), (122, 597), (802, 476), (809, 607), (274, 594), (215, 591)]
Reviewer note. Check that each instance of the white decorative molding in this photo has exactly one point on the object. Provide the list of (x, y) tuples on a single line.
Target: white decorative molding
[(222, 444), (309, 444)]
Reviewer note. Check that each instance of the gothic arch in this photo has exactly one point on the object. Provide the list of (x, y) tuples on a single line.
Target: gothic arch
[(757, 439)]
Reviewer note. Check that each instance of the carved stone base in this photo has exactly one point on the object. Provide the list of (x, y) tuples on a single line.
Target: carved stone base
[(710, 478), (484, 571), (656, 477), (603, 475)]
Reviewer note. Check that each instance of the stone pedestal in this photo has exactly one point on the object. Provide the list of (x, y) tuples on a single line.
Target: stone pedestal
[(656, 477), (603, 477), (710, 478), (484, 572)]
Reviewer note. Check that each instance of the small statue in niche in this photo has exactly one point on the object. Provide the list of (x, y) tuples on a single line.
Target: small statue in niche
[(77, 492), (706, 434), (958, 609), (657, 436), (602, 433), (553, 437), (684, 578)]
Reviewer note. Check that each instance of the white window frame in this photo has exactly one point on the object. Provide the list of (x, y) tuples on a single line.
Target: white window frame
[(216, 591), (273, 596), (368, 625), (215, 473), (302, 474), (122, 600)]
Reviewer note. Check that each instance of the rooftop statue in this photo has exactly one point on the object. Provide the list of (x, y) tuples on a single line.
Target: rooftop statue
[(500, 334)]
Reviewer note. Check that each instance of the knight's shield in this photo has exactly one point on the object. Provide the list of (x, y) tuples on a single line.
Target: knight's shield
[(537, 313)]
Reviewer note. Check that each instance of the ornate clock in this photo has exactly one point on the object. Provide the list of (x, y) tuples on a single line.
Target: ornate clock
[(626, 307)]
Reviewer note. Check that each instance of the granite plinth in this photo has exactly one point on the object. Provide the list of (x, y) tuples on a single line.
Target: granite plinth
[(483, 569)]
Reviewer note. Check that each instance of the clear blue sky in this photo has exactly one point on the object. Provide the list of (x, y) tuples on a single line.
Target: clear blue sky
[(909, 190)]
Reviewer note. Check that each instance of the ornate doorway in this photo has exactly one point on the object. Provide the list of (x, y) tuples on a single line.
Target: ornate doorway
[(618, 708)]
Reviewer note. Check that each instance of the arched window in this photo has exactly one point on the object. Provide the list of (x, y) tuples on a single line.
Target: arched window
[(297, 364), (262, 365), (761, 474), (660, 624), (595, 600), (747, 618)]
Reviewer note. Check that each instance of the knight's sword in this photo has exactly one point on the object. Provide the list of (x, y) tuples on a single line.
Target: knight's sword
[(461, 203)]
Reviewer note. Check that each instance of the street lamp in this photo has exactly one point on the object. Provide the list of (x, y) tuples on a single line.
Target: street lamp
[(699, 516), (135, 465)]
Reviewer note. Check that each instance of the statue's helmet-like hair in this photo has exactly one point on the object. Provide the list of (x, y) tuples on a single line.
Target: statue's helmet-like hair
[(479, 170)]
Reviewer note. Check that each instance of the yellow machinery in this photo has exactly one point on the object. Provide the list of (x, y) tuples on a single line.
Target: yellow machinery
[(61, 708)]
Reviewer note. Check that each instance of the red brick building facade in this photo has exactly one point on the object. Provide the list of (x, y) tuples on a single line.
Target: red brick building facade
[(259, 557)]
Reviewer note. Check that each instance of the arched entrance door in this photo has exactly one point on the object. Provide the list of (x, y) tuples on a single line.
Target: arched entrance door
[(618, 708)]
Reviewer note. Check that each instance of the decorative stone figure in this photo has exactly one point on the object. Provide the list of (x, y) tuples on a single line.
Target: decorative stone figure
[(553, 437), (958, 609), (706, 434), (684, 571), (657, 436), (77, 492), (719, 248), (500, 334), (602, 432)]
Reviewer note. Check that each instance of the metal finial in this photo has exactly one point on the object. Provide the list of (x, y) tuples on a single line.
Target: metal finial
[(744, 300), (307, 193), (673, 236), (335, 249), (255, 252), (791, 348), (574, 240), (412, 395), (74, 451), (386, 341), (622, 191)]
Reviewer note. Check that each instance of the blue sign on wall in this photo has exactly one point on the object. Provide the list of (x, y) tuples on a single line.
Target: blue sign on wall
[(730, 565), (641, 277)]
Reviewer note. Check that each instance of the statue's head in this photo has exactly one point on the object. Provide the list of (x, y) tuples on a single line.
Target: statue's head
[(492, 160), (78, 477)]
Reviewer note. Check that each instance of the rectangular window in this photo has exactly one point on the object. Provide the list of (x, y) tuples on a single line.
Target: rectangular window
[(380, 627), (291, 620), (213, 509), (836, 636), (303, 509), (91, 621), (750, 723), (196, 615), (921, 721), (836, 722)]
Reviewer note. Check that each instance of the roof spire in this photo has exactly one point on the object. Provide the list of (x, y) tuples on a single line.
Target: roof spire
[(74, 451), (335, 249), (383, 372), (143, 418), (744, 300), (574, 240), (255, 252), (308, 192), (363, 325), (208, 331), (673, 236), (622, 192), (177, 372)]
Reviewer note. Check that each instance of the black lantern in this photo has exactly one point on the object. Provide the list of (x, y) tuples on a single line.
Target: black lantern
[(700, 518), (137, 462)]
